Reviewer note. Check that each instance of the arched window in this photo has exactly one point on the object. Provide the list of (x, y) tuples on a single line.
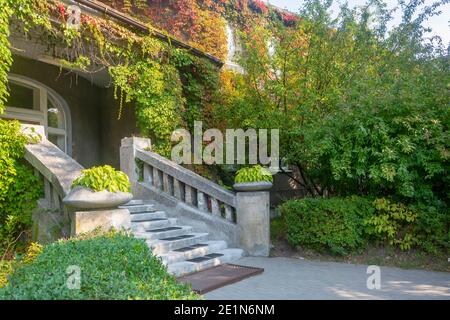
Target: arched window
[(34, 103)]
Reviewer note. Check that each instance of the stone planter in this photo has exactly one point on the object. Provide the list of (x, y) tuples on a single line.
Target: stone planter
[(84, 198), (252, 186)]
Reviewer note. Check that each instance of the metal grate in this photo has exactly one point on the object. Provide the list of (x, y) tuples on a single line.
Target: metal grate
[(199, 245), (217, 277), (186, 236), (189, 248), (199, 259), (164, 229), (205, 258), (214, 255)]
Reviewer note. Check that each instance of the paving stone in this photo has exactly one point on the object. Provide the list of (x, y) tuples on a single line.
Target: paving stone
[(286, 278)]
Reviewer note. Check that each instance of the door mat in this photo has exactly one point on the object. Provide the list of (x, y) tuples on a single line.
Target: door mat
[(217, 277)]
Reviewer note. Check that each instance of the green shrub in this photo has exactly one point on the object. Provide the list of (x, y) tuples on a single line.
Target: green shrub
[(432, 227), (392, 222), (112, 266), (6, 267), (327, 224), (253, 174), (19, 187), (423, 226), (103, 178)]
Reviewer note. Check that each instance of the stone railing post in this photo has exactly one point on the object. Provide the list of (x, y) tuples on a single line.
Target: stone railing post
[(128, 155), (253, 217)]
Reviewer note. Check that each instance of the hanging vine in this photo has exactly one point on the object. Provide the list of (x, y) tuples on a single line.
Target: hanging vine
[(144, 69), (168, 86)]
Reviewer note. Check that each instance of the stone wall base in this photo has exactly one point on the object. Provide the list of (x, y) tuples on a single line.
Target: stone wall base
[(86, 221), (49, 225)]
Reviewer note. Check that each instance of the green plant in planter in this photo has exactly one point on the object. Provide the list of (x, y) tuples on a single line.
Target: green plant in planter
[(103, 178), (253, 174)]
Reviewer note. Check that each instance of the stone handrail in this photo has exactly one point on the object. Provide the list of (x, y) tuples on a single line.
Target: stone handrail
[(175, 181), (57, 168), (241, 217), (186, 185)]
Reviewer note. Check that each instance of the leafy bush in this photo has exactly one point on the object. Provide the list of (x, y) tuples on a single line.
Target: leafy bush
[(381, 151), (392, 222), (7, 266), (340, 225), (112, 266), (253, 174), (407, 226), (103, 178), (432, 227), (19, 187), (333, 224)]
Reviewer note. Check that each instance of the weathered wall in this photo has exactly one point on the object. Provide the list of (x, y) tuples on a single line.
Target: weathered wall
[(96, 131), (114, 129)]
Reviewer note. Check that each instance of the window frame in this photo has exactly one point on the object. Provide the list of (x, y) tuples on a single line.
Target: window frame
[(39, 115)]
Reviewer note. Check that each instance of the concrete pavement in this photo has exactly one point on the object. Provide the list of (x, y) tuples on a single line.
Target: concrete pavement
[(287, 278)]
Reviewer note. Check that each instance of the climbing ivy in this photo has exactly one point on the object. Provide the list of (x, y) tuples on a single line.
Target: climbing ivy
[(5, 53), (19, 187), (201, 23), (144, 69)]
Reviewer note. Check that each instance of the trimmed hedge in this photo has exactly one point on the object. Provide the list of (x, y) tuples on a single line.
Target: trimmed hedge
[(334, 224), (112, 266)]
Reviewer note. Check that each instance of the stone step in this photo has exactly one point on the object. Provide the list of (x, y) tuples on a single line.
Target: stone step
[(162, 233), (148, 216), (204, 262), (134, 202), (191, 252), (142, 226), (139, 208), (165, 245)]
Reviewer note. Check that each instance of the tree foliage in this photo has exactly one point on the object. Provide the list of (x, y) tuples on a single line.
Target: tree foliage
[(361, 110)]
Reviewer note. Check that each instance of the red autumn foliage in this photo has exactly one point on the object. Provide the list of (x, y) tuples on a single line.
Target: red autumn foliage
[(258, 6), (62, 11)]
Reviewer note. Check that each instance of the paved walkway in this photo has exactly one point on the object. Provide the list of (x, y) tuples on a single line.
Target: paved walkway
[(286, 278)]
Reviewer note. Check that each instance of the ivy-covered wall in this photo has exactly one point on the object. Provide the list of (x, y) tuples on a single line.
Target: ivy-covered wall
[(153, 86), (202, 23), (96, 131)]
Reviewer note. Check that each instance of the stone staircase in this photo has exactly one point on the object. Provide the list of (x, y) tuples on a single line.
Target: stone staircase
[(180, 248)]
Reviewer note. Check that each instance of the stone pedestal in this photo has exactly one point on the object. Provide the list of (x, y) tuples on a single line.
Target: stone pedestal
[(127, 156), (86, 221), (253, 219)]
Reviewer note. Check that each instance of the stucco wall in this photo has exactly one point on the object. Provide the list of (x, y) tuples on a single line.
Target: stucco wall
[(96, 131), (114, 129)]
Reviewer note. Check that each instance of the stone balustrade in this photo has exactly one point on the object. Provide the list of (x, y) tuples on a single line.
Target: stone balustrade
[(240, 217), (187, 186)]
